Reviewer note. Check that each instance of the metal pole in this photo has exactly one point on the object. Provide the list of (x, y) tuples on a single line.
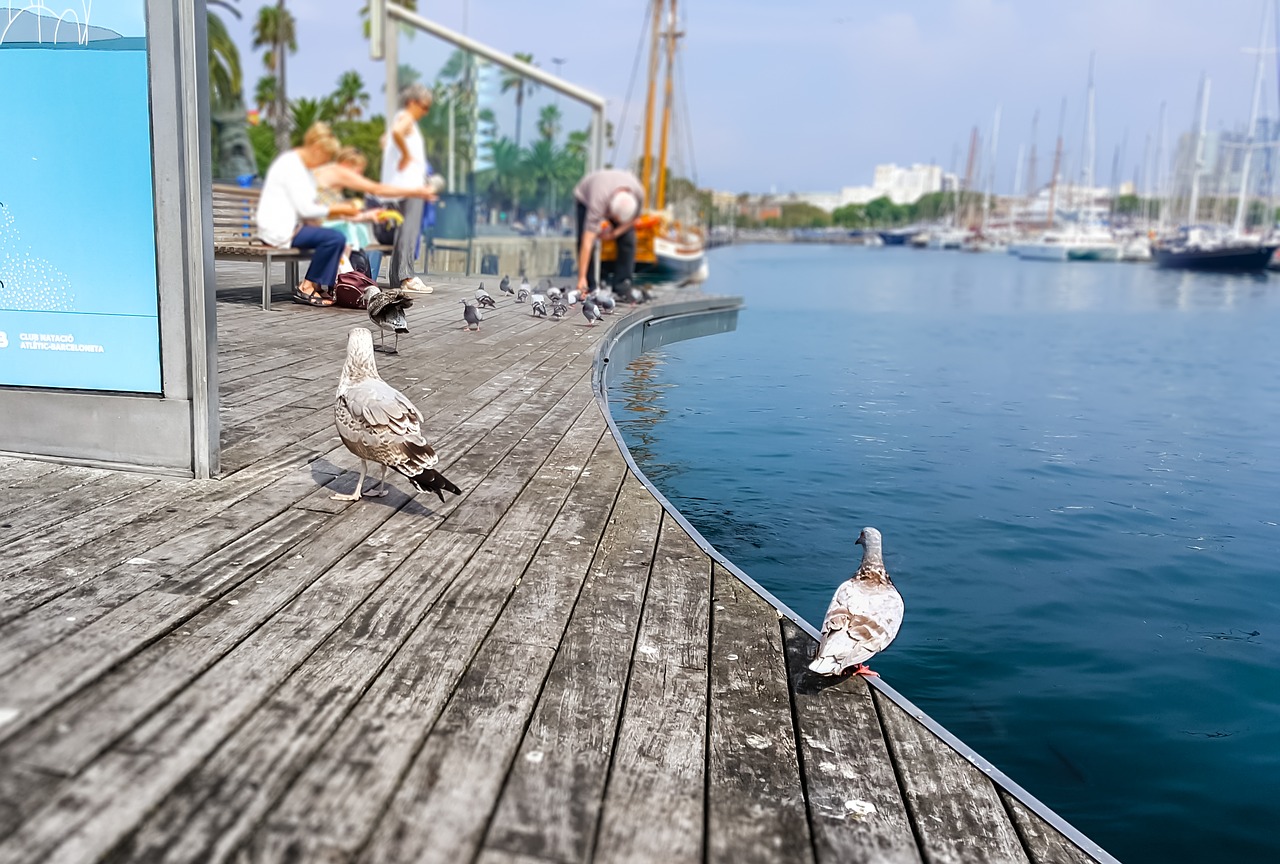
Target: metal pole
[(466, 43), (392, 52)]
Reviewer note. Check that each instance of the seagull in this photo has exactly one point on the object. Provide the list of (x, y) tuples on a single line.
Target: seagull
[(386, 309), (863, 617), (558, 309), (505, 285), (591, 312), (471, 314), (484, 298), (539, 306), (604, 299), (379, 424)]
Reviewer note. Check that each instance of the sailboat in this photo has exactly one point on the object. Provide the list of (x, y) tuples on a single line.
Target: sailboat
[(1198, 248), (668, 248)]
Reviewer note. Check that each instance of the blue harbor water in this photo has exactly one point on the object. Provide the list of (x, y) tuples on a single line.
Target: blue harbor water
[(1076, 469)]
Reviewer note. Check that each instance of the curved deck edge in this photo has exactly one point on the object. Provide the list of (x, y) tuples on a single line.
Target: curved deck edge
[(653, 326)]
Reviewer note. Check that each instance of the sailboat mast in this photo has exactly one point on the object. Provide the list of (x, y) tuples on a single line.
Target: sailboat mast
[(991, 171), (1197, 160), (667, 99), (1162, 204), (1253, 122), (646, 170), (1057, 164)]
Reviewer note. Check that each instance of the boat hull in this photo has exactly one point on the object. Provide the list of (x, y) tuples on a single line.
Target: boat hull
[(1039, 251), (1094, 253), (1230, 259)]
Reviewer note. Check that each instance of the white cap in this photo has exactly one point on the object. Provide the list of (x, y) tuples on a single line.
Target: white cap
[(623, 207)]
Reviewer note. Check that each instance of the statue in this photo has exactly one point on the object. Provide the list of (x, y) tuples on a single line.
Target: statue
[(232, 152)]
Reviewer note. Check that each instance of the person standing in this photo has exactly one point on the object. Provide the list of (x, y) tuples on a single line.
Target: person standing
[(404, 163), (609, 202), (289, 208)]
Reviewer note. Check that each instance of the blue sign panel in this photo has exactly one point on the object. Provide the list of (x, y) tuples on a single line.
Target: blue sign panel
[(79, 307)]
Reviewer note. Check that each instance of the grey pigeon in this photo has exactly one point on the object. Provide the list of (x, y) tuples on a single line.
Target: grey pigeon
[(379, 424), (591, 312), (386, 309), (524, 286), (471, 314), (505, 285), (863, 617), (523, 294), (485, 299), (558, 309), (539, 306), (554, 294), (604, 299)]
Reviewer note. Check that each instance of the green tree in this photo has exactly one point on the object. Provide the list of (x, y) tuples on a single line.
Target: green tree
[(850, 216), (305, 112), (349, 98), (549, 121), (523, 87), (365, 136), (264, 96), (225, 77), (276, 30), (883, 211)]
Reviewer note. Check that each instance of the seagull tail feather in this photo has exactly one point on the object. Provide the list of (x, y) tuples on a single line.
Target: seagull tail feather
[(826, 665), (431, 480)]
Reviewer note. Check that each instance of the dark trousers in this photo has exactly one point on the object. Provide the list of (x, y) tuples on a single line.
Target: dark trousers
[(624, 266), (326, 247), (402, 256)]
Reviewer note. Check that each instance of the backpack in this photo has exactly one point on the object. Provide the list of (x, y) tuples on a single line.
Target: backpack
[(349, 290)]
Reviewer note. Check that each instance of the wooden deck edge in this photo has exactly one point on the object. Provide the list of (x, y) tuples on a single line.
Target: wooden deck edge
[(622, 344)]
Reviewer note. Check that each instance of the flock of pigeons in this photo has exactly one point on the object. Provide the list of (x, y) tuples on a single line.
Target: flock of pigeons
[(379, 424), (547, 302)]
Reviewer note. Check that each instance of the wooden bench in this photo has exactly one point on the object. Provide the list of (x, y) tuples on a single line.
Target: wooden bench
[(235, 236)]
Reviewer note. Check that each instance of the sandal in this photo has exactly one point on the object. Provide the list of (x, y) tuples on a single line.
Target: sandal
[(299, 296)]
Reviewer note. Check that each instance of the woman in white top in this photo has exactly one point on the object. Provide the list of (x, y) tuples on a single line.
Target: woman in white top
[(289, 206), (404, 163)]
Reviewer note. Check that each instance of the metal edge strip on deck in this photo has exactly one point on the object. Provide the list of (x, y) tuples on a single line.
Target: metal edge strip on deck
[(715, 313)]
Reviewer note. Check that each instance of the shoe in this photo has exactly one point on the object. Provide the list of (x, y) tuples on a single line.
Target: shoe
[(300, 296), (415, 286)]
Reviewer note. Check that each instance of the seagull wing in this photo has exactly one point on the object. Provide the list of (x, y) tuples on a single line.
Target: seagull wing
[(378, 422)]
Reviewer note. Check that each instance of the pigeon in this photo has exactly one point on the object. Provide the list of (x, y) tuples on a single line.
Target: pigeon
[(386, 309), (863, 617), (604, 300), (591, 312), (505, 285), (485, 299), (539, 306), (471, 314), (379, 424), (558, 310), (554, 294), (525, 290)]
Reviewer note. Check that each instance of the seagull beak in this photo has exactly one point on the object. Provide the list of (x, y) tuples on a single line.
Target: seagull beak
[(859, 541)]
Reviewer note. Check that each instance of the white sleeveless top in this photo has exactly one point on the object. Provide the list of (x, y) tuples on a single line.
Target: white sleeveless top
[(415, 173)]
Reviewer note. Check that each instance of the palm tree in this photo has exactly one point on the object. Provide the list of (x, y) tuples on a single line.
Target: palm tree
[(549, 120), (350, 98), (276, 30), (523, 87), (225, 79), (264, 96)]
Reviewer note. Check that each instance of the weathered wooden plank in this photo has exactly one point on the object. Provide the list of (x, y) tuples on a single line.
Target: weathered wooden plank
[(443, 804), (94, 811), (756, 807), (856, 811), (337, 801), (654, 800), (551, 802), (209, 814), (1043, 843), (954, 807), (87, 489)]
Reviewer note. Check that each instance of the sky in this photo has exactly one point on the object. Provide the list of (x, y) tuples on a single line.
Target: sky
[(811, 96)]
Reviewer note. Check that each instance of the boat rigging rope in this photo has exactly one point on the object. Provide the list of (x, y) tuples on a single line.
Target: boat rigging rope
[(635, 67)]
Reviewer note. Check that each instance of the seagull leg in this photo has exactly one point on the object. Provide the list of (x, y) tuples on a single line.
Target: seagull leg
[(354, 496), (382, 485), (865, 671)]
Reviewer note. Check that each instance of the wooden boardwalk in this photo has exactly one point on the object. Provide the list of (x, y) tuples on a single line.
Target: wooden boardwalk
[(547, 668)]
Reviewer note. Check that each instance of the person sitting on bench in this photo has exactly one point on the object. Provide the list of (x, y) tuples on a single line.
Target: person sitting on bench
[(289, 210)]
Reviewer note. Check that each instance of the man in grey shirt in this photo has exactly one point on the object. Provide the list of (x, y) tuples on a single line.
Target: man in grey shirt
[(609, 202)]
